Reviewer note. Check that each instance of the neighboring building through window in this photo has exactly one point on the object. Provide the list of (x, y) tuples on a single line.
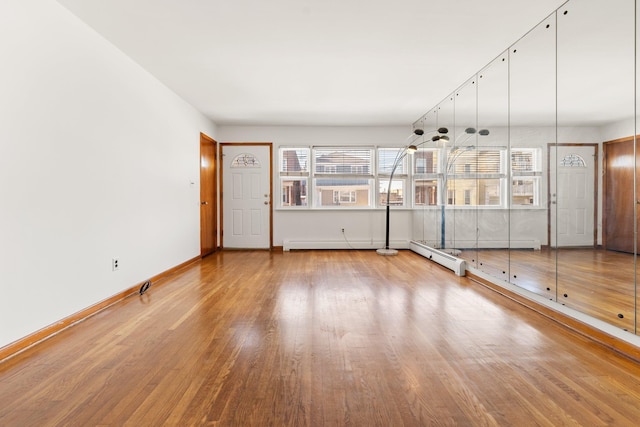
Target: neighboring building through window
[(425, 177), (526, 171), (294, 174), (397, 194), (474, 176), (344, 196)]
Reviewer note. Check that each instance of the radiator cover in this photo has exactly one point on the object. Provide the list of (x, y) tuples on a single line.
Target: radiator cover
[(457, 265)]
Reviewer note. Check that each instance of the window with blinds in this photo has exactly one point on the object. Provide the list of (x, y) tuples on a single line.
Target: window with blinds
[(395, 192), (327, 177), (343, 177), (343, 161), (475, 176), (522, 160), (358, 177), (475, 161), (386, 159)]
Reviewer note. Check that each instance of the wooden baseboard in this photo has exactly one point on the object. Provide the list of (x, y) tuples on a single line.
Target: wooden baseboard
[(22, 344), (627, 349)]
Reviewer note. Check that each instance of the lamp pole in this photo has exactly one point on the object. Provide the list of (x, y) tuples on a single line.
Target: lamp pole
[(399, 157), (387, 250)]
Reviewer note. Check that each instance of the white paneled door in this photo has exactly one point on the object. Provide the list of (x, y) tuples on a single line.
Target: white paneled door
[(246, 196), (572, 179)]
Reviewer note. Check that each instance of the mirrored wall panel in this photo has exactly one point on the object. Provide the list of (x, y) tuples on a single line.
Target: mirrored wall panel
[(490, 156), (457, 206), (532, 130), (538, 183), (594, 227)]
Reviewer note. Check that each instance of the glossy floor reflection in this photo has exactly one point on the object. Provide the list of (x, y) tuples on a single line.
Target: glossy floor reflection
[(313, 338)]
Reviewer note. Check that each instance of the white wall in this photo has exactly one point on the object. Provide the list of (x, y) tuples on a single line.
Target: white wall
[(363, 228), (96, 160), (617, 130)]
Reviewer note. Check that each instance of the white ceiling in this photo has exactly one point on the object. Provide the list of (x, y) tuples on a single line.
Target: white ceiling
[(312, 62)]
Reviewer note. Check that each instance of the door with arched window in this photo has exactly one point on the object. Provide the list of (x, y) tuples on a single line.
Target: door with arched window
[(246, 195), (572, 192)]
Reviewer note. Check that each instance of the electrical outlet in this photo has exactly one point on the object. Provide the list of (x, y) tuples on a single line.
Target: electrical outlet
[(115, 264)]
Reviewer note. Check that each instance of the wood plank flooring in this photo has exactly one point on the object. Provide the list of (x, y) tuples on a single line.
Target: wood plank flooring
[(318, 338), (596, 282)]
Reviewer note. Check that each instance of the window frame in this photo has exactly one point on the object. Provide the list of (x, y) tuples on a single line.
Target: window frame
[(400, 175), (421, 171), (361, 170), (301, 175)]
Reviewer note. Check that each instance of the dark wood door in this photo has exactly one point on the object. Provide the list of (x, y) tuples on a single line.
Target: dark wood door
[(208, 205), (619, 199)]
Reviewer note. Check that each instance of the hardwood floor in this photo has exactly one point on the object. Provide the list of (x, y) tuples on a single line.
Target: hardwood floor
[(596, 282), (318, 338)]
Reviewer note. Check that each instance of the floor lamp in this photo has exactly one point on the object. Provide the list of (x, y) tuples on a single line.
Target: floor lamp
[(406, 150)]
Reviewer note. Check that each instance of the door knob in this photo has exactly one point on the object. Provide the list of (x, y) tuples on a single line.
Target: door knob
[(266, 202), (204, 203)]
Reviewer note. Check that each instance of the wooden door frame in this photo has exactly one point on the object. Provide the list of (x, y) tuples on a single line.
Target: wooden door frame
[(205, 139), (221, 162), (595, 188)]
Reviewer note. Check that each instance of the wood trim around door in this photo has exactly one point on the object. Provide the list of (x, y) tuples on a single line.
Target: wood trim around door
[(221, 163), (595, 188), (208, 195)]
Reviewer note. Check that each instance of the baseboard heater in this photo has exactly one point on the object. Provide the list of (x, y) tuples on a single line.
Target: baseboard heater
[(499, 244), (289, 245), (457, 265)]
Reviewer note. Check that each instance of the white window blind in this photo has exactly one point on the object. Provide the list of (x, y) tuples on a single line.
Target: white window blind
[(343, 161), (480, 161), (386, 159)]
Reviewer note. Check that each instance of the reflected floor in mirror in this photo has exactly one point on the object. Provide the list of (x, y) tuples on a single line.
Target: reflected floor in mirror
[(596, 282), (313, 338)]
